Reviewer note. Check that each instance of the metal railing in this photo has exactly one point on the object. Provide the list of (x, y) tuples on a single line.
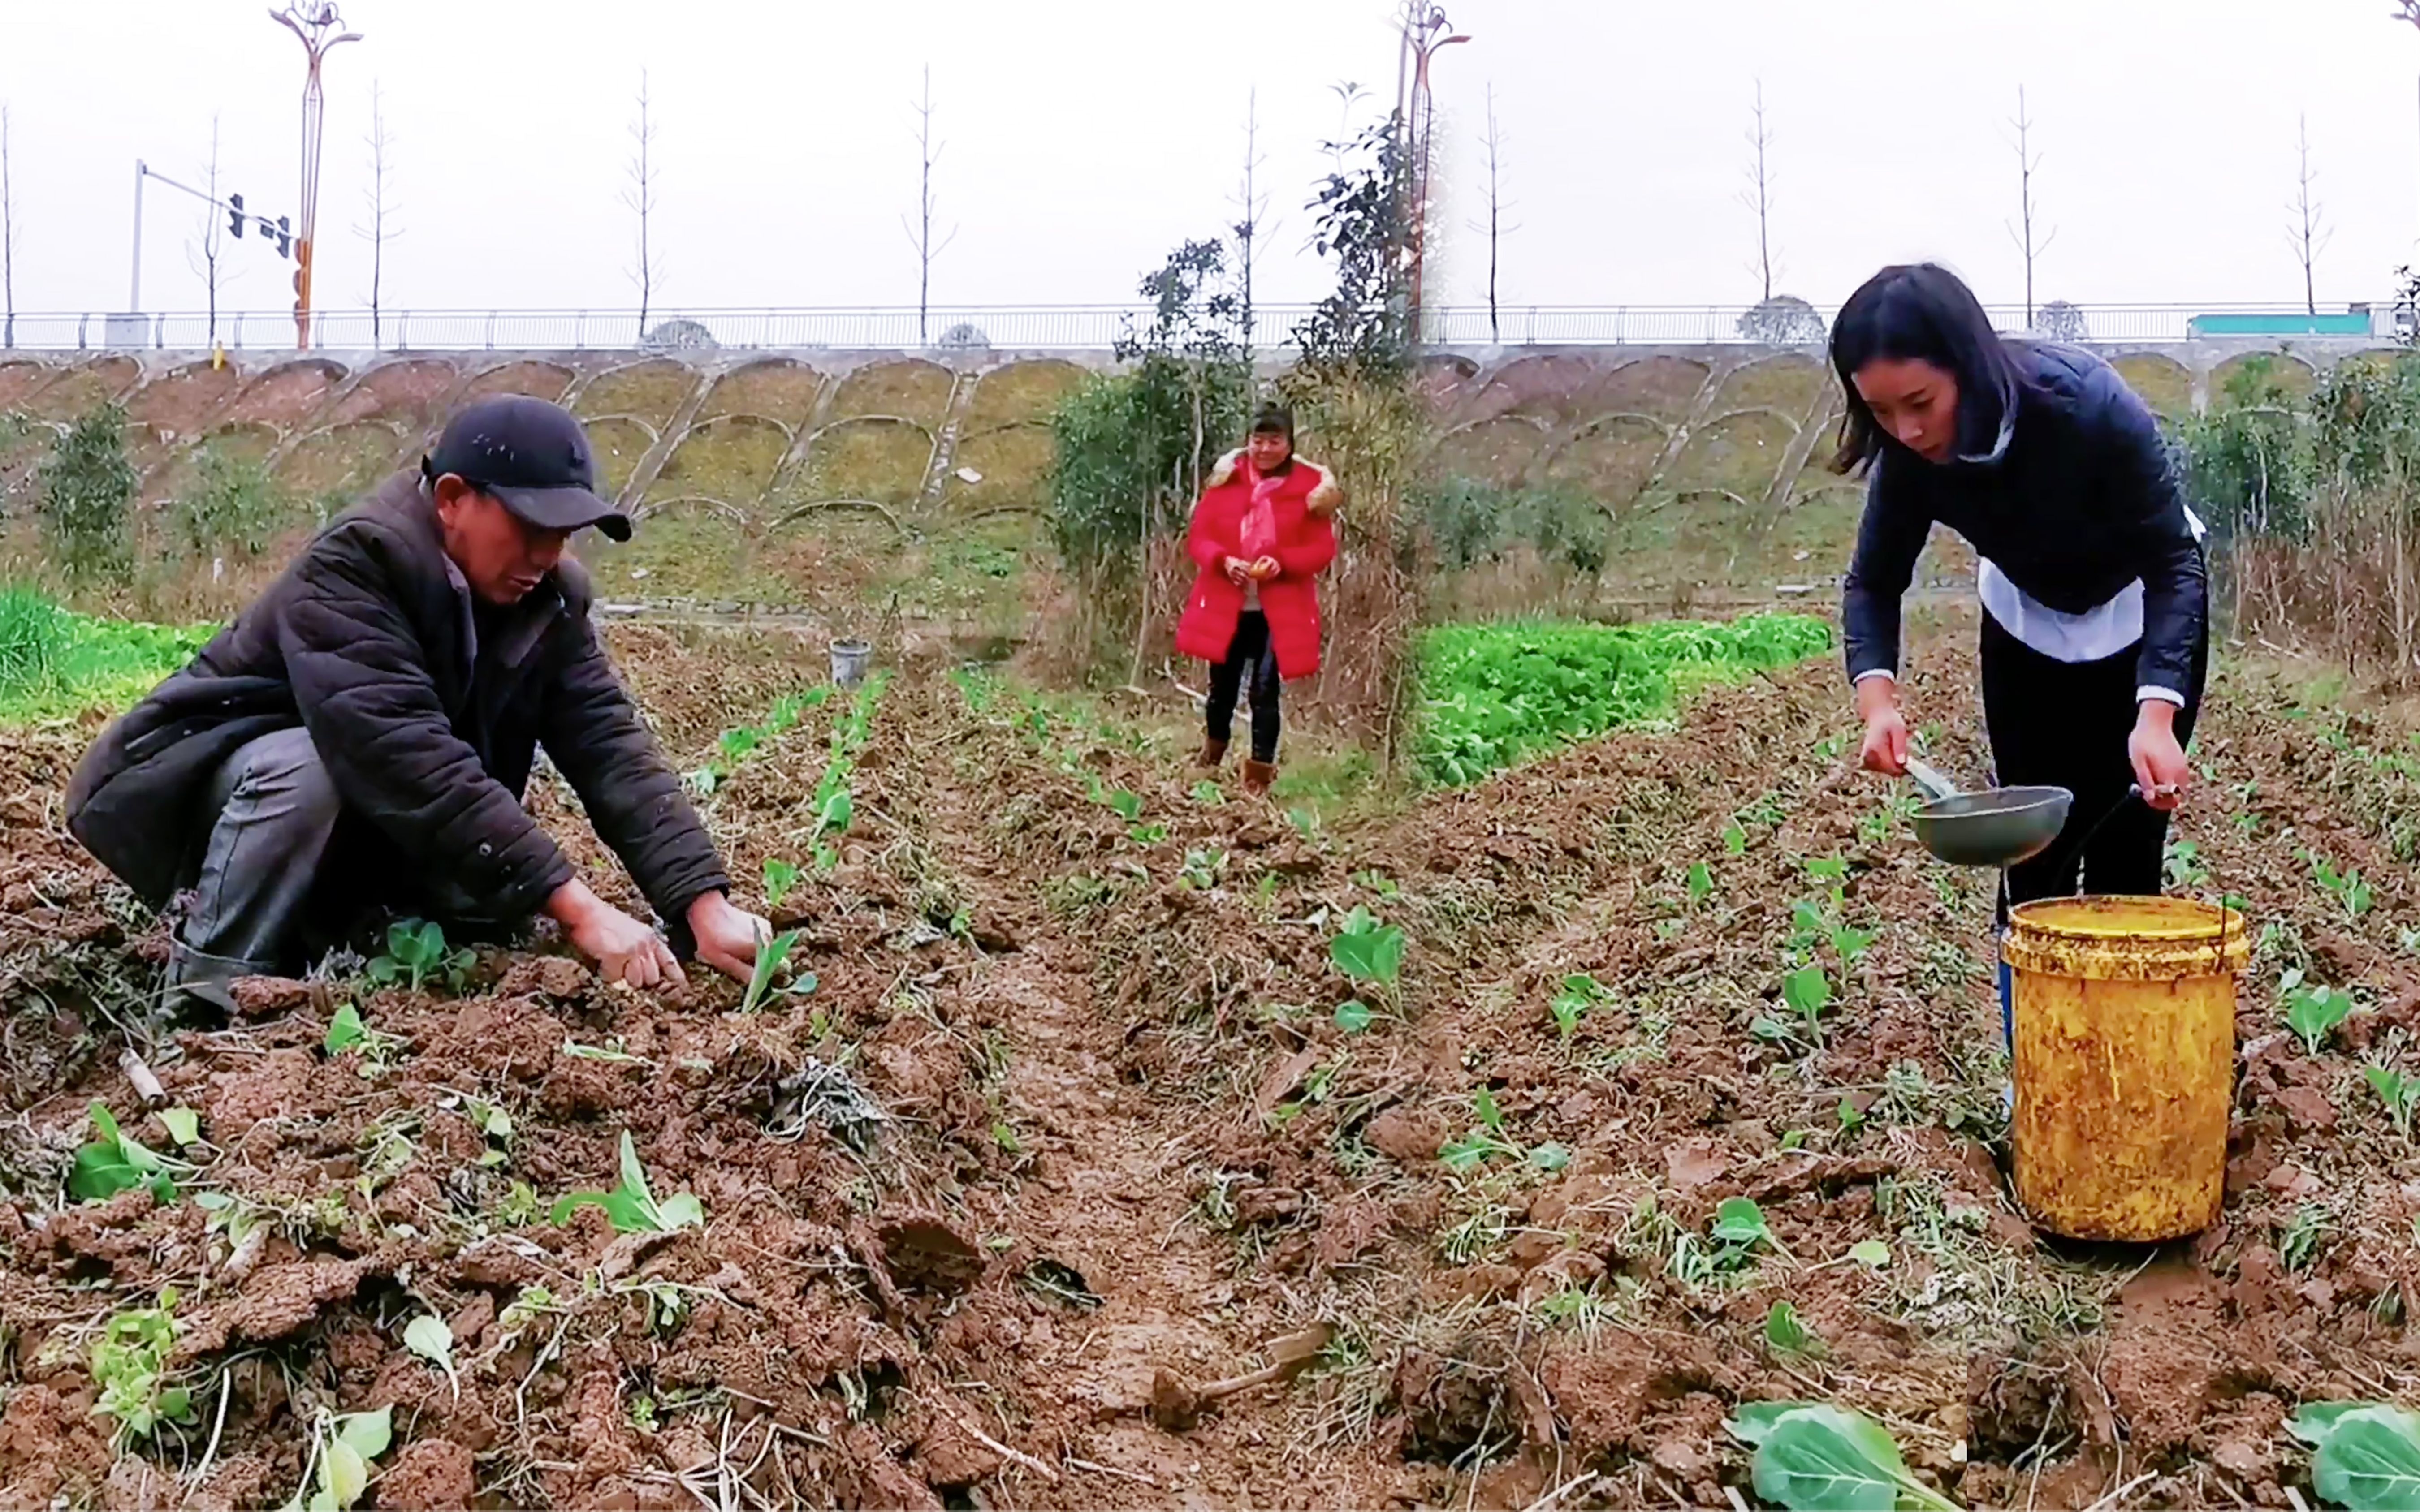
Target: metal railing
[(1026, 328)]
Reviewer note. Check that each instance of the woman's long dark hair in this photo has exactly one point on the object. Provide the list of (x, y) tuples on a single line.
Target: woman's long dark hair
[(1921, 312)]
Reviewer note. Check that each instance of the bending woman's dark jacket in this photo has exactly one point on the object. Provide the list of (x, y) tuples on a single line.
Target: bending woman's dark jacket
[(2078, 501)]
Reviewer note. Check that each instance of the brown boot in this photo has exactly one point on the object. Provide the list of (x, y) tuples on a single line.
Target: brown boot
[(1258, 776), (1213, 752)]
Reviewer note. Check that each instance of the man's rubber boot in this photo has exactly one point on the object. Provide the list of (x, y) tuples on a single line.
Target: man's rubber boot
[(201, 987), (1213, 752), (1258, 776)]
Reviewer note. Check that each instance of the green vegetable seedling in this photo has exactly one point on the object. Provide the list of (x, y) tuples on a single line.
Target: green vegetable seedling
[(2363, 1453), (1812, 1457), (2313, 1012), (1579, 993), (342, 1446), (1786, 1335), (2400, 1093), (116, 1162), (770, 956), (427, 1336), (780, 878), (631, 1207), (1808, 993), (1366, 951), (416, 952), (129, 1363)]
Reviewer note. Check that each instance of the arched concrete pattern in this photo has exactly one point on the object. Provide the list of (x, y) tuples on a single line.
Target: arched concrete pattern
[(20, 378), (1738, 455), (1020, 393), (1503, 450), (1821, 524), (778, 388), (912, 389), (289, 394), (617, 444), (537, 379), (2265, 372), (1543, 387), (1610, 460), (181, 400), (881, 458), (1013, 465), (1662, 387), (339, 462), (684, 547), (1704, 537), (241, 440), (651, 390), (2165, 384), (1790, 384), (411, 394), (1447, 384), (731, 460), (85, 386)]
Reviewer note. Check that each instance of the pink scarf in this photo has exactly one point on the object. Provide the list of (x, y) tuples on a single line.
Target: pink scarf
[(1261, 520)]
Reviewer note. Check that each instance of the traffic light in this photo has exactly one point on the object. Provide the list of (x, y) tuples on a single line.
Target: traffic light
[(235, 216), (285, 238)]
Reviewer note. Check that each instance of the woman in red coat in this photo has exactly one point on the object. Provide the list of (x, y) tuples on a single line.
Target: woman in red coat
[(1260, 536)]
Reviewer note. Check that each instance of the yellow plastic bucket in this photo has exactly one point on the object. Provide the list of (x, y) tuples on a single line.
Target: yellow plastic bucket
[(2124, 1062)]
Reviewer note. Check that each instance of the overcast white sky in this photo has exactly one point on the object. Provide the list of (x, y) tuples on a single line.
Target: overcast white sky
[(1086, 138)]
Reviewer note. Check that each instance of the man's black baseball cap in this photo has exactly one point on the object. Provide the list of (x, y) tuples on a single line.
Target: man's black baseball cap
[(531, 454)]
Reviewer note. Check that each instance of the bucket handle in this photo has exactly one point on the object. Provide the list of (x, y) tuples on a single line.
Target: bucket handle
[(2134, 791)]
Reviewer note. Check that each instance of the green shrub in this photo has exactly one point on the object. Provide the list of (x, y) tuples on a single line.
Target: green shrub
[(231, 508), (88, 495), (1469, 521)]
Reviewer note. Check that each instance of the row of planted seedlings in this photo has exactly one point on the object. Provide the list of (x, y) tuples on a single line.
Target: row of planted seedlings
[(151, 1398), (159, 1403)]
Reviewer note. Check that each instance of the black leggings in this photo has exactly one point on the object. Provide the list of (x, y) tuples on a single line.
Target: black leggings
[(2066, 724), (1249, 651)]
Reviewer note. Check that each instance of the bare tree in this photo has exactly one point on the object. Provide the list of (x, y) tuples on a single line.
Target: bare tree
[(203, 256), (2023, 232), (380, 204), (1497, 206), (2306, 231), (8, 242), (1757, 195), (920, 230), (640, 197), (1253, 228)]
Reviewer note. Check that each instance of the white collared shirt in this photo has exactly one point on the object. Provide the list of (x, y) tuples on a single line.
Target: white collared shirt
[(2099, 632)]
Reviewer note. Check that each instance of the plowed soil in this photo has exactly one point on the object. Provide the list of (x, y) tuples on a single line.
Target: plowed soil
[(1068, 1128)]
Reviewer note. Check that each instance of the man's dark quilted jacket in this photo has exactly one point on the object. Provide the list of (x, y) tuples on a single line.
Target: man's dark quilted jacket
[(367, 641)]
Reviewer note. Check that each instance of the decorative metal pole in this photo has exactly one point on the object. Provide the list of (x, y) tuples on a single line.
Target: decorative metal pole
[(1430, 37), (314, 25)]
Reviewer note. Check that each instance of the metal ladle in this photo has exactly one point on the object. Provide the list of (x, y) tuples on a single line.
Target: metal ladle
[(1996, 827)]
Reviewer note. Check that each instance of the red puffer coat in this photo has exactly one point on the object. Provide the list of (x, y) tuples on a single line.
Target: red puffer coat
[(1305, 544)]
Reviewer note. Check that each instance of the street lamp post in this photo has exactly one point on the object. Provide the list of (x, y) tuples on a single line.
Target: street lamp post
[(1425, 37), (316, 26)]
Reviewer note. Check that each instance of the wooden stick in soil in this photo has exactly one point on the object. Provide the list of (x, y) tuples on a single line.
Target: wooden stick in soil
[(1177, 1404)]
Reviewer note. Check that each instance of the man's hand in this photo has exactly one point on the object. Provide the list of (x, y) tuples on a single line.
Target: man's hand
[(727, 937), (2159, 766), (1884, 747), (624, 950), (1238, 570)]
